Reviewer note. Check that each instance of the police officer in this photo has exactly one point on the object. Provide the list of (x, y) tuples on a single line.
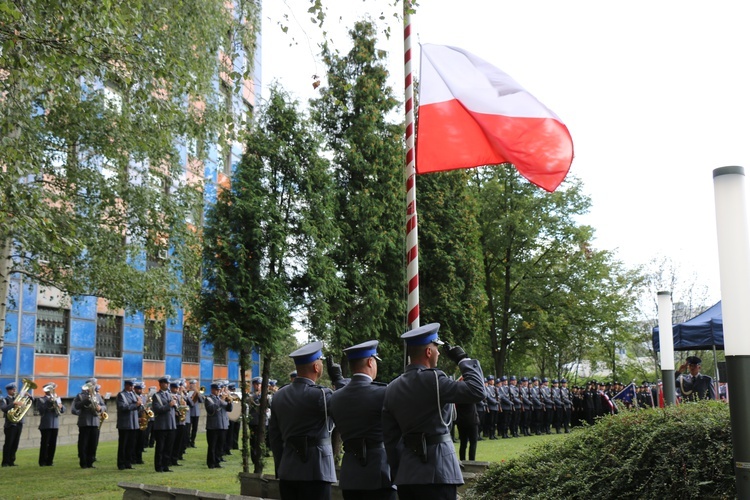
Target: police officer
[(195, 410), (88, 405), (559, 411), (506, 407), (417, 414), (526, 407), (357, 408), (300, 430), (181, 420), (140, 435), (490, 393), (567, 404), (217, 424), (49, 409), (694, 385), (254, 415), (515, 397), (12, 430), (536, 401), (164, 407), (549, 405), (128, 404)]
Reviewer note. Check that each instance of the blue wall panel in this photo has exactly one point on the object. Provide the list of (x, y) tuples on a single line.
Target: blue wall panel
[(28, 327), (9, 361), (74, 388), (233, 372), (83, 307), (29, 297), (26, 362), (81, 363), (176, 322), (82, 333), (207, 350), (13, 297), (207, 371), (233, 355), (173, 365), (132, 365), (11, 323), (134, 319), (173, 343), (133, 339)]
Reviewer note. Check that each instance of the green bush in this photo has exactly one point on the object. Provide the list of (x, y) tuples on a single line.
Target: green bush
[(679, 452)]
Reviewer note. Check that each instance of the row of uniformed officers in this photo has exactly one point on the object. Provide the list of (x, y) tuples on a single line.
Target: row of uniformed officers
[(396, 437), (166, 419)]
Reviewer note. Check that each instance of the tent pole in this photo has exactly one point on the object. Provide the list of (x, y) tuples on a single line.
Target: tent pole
[(716, 373)]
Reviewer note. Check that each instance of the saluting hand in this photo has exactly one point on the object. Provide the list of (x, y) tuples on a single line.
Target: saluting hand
[(456, 353)]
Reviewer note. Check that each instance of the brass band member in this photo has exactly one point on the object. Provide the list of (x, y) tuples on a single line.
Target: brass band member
[(217, 423), (165, 425), (196, 395), (128, 404), (50, 408), (12, 429), (88, 405), (140, 441)]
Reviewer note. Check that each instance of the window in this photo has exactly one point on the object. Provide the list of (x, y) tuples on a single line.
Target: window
[(108, 336), (153, 340), (52, 329), (190, 344), (220, 356)]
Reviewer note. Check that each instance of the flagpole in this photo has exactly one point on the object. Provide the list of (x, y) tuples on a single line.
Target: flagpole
[(412, 254)]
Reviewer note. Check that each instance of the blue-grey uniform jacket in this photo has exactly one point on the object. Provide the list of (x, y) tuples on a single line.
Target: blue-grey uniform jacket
[(536, 397), (127, 410), (299, 432), (556, 397), (164, 415), (490, 392), (86, 408), (48, 418), (216, 412), (195, 409), (515, 397), (695, 388), (504, 397), (357, 410), (525, 398), (567, 400), (412, 408), (546, 395)]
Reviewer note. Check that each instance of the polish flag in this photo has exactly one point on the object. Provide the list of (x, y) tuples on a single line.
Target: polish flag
[(472, 114)]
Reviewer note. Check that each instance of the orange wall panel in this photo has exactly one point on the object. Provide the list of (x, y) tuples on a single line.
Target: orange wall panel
[(220, 372), (108, 367), (191, 370), (50, 366), (62, 385), (153, 369), (111, 386)]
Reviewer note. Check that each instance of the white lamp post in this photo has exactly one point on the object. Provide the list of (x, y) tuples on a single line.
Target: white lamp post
[(666, 345)]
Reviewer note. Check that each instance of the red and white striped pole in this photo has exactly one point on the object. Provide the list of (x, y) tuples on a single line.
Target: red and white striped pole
[(412, 254)]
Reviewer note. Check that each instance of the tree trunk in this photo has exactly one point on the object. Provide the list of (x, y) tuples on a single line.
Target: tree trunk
[(259, 445), (5, 267), (245, 405)]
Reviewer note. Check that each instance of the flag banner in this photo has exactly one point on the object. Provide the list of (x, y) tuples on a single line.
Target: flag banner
[(472, 114), (627, 395)]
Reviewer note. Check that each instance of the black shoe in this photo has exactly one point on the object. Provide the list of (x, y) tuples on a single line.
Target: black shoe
[(218, 466), (139, 462), (176, 465), (167, 470)]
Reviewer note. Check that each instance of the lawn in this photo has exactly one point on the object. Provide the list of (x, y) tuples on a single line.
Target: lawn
[(67, 480)]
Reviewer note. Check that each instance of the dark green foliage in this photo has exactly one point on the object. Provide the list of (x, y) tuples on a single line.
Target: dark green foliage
[(679, 452), (367, 299)]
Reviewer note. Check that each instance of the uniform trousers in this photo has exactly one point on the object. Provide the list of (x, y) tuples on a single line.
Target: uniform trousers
[(515, 421), (176, 452), (548, 418), (12, 437), (382, 494), (47, 446), (539, 415), (215, 440), (467, 434), (427, 492), (559, 416), (87, 443), (304, 490), (126, 448), (193, 430), (490, 421), (163, 450)]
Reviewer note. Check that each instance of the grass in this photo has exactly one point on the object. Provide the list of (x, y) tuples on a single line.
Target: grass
[(67, 480)]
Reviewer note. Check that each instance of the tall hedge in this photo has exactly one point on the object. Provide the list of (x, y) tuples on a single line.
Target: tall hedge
[(679, 452)]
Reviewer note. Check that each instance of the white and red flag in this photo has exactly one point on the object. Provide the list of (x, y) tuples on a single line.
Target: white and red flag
[(472, 113)]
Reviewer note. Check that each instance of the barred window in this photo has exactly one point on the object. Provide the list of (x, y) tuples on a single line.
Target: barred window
[(220, 356), (190, 344), (153, 340), (52, 330), (108, 336)]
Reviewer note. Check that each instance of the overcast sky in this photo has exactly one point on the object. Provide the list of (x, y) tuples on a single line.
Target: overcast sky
[(656, 95)]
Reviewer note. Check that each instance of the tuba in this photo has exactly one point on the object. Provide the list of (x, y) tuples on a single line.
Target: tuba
[(55, 400), (17, 413)]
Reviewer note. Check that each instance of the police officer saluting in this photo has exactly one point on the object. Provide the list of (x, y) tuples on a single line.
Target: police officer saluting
[(357, 409), (300, 430), (694, 385), (417, 417)]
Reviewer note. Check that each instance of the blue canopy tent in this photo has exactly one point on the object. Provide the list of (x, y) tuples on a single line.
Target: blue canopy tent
[(705, 331)]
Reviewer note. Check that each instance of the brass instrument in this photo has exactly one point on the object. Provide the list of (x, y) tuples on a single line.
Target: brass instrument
[(182, 407), (17, 413), (94, 402), (55, 400), (145, 414), (203, 390)]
